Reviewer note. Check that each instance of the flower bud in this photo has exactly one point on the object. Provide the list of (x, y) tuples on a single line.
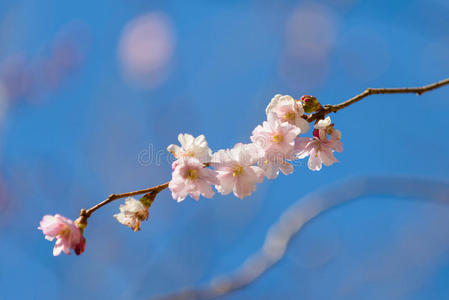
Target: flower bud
[(310, 104)]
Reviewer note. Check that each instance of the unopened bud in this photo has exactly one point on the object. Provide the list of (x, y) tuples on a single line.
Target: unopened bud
[(310, 104)]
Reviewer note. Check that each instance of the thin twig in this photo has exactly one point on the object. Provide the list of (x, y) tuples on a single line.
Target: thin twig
[(112, 197), (327, 109), (294, 218), (86, 213)]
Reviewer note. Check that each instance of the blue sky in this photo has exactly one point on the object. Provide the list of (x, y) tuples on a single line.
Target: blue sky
[(75, 142)]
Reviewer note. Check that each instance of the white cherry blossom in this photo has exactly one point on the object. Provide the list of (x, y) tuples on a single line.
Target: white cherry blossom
[(132, 213), (191, 147)]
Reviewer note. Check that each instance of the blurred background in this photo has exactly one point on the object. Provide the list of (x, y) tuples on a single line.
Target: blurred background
[(92, 92)]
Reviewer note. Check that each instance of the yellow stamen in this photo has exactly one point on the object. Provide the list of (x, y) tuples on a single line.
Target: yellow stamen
[(277, 138), (237, 171), (188, 154), (289, 116), (192, 174), (65, 231)]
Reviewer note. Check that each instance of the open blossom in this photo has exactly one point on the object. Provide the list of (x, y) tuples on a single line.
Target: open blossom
[(191, 147), (190, 178), (235, 169), (68, 235), (275, 141), (287, 109), (132, 213), (320, 148)]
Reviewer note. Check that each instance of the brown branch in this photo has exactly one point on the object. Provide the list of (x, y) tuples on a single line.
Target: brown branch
[(294, 218), (327, 109), (86, 213)]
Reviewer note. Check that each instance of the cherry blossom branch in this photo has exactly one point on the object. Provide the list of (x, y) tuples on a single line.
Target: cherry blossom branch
[(294, 218), (236, 170), (319, 114), (327, 109)]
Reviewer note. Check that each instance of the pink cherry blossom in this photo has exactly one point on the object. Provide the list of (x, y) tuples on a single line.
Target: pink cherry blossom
[(320, 151), (287, 109), (275, 141), (236, 172), (68, 235), (191, 178), (191, 147), (320, 148)]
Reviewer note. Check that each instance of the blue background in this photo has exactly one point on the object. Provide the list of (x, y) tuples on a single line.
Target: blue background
[(73, 143)]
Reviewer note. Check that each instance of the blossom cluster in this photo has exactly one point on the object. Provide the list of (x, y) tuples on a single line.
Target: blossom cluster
[(274, 144)]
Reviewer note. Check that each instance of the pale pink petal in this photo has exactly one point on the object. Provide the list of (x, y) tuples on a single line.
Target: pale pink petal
[(58, 248), (226, 182), (246, 183), (314, 162), (286, 168), (259, 173), (302, 124), (178, 190), (205, 189), (186, 140), (327, 157), (273, 103), (174, 149), (323, 124), (201, 140), (303, 146), (221, 157), (336, 134), (291, 132), (208, 175), (244, 187), (336, 145), (271, 170), (195, 194)]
